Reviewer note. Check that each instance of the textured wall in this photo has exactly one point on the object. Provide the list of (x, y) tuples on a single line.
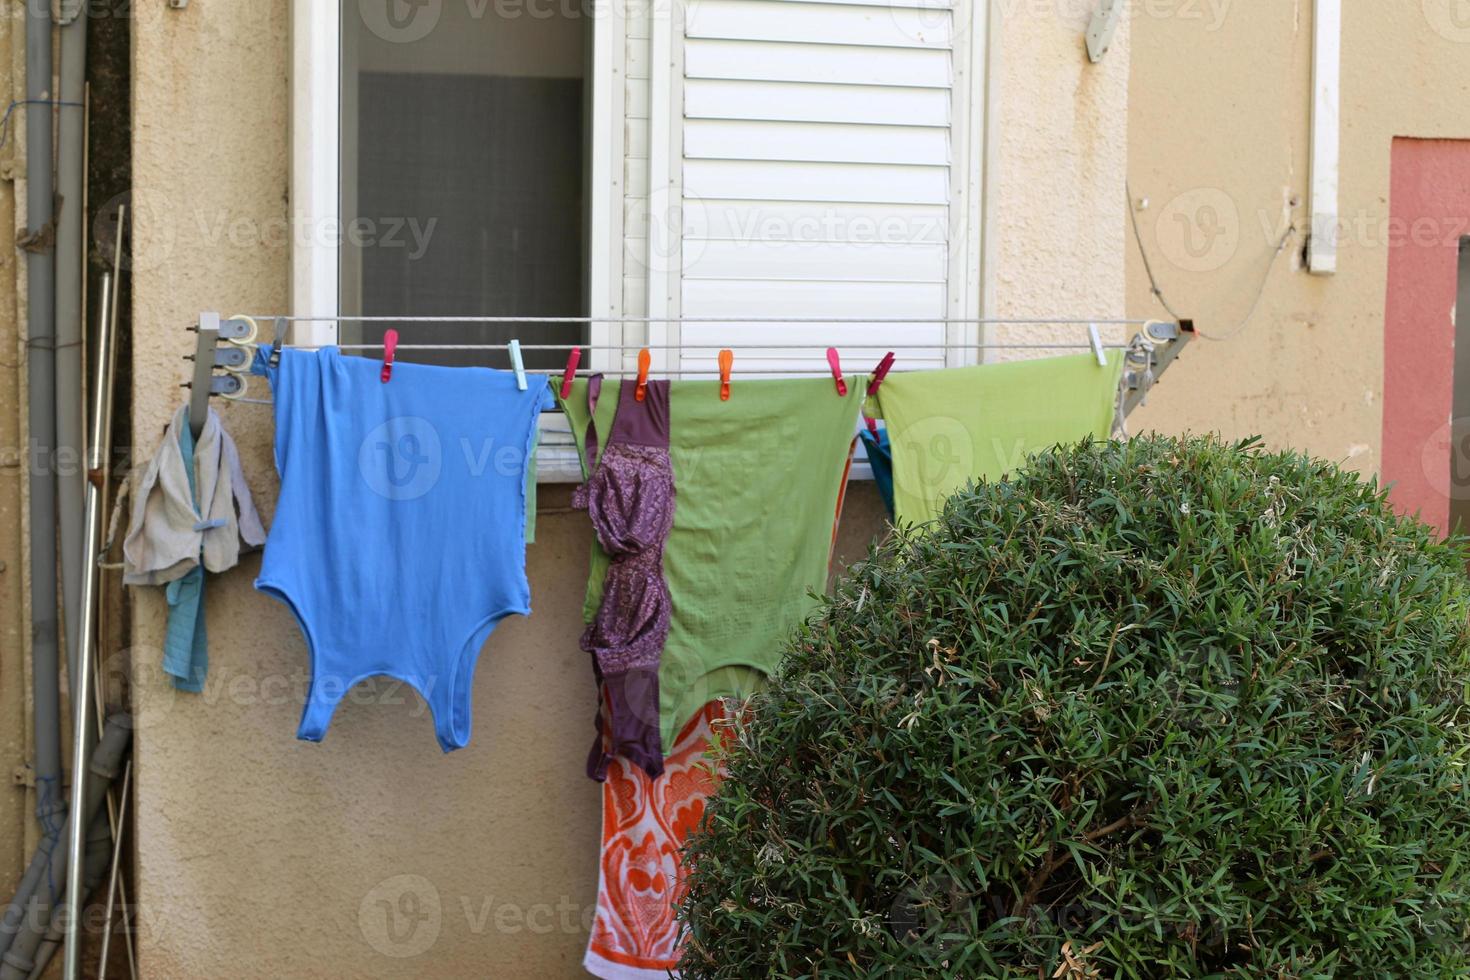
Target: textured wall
[(1059, 159), (16, 828), (1219, 143), (261, 856)]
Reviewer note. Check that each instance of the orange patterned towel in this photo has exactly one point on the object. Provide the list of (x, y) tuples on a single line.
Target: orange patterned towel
[(645, 822)]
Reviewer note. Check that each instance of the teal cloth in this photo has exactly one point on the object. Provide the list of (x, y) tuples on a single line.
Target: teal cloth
[(880, 459), (186, 641), (947, 428), (757, 482)]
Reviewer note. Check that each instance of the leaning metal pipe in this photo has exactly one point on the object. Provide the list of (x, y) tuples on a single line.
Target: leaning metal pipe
[(114, 871), (70, 396), (82, 676), (41, 424), (20, 958), (99, 853)]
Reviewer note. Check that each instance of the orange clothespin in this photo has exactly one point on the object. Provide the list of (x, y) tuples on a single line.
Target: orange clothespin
[(573, 359), (390, 347), (835, 362), (644, 360), (727, 359)]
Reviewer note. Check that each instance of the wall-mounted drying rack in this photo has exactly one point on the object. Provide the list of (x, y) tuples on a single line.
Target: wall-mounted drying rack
[(227, 345)]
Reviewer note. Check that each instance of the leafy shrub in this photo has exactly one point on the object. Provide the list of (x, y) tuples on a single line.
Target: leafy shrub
[(1153, 709)]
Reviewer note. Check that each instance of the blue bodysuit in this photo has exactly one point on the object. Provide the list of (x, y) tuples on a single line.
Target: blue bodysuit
[(399, 537)]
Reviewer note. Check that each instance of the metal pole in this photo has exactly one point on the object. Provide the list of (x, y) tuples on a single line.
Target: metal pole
[(71, 396), (1459, 485), (41, 423), (82, 692), (108, 310), (115, 871)]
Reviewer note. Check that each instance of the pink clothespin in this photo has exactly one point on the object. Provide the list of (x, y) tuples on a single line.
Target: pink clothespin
[(727, 360), (573, 359), (879, 373), (390, 346), (835, 362)]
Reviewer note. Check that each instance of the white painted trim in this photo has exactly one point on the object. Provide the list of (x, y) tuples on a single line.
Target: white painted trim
[(662, 258), (970, 209), (605, 81), (315, 206), (1326, 135), (988, 160)]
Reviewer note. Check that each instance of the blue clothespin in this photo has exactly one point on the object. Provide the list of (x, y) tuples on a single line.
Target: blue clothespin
[(515, 362)]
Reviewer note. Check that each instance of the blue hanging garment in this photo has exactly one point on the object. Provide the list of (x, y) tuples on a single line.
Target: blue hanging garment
[(399, 536)]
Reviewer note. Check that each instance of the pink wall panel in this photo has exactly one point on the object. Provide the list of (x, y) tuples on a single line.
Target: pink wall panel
[(1429, 211)]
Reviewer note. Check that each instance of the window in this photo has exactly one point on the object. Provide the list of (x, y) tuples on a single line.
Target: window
[(678, 170), (462, 172)]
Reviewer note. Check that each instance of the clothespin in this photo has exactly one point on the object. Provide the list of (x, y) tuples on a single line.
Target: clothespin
[(835, 362), (275, 358), (517, 364), (1097, 348), (644, 360), (879, 373), (574, 357), (390, 347), (727, 359)]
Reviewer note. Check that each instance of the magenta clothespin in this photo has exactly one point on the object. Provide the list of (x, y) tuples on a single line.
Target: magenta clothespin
[(390, 346), (835, 362), (573, 359), (879, 373)]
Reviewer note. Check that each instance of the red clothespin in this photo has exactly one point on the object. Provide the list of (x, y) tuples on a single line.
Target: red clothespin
[(836, 364), (879, 373), (644, 360), (390, 346), (727, 359), (573, 359)]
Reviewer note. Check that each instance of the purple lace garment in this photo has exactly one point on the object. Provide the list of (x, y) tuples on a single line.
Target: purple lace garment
[(630, 498)]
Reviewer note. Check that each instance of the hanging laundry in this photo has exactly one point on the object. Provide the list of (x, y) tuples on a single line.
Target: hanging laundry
[(640, 881), (880, 460), (191, 511), (759, 480), (946, 428), (630, 498), (399, 535)]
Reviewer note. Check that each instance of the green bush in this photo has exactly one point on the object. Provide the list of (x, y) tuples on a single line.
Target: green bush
[(1150, 709)]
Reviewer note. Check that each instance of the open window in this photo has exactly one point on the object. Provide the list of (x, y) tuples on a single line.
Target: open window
[(774, 176)]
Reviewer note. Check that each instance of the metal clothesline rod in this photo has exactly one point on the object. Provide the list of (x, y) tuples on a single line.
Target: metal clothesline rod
[(815, 348), (997, 321)]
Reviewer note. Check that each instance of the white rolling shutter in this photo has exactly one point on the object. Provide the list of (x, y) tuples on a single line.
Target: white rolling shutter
[(817, 149)]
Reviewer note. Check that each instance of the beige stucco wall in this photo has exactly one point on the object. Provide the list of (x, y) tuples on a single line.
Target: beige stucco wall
[(1219, 146), (16, 827), (262, 856)]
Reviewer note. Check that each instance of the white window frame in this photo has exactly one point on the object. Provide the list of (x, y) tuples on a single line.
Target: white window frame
[(316, 126)]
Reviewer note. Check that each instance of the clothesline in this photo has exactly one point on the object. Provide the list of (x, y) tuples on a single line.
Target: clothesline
[(847, 320), (815, 348)]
